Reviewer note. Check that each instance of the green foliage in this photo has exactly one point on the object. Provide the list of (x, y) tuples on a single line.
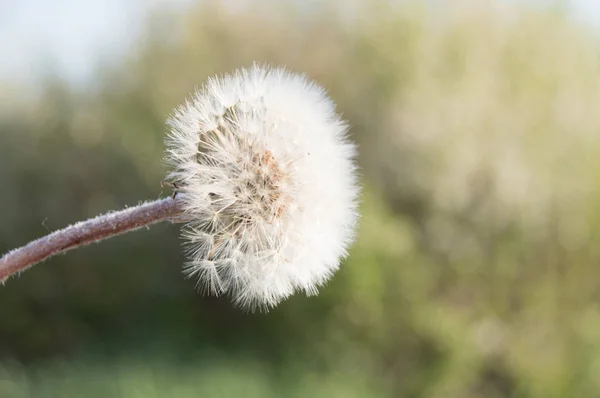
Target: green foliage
[(475, 269)]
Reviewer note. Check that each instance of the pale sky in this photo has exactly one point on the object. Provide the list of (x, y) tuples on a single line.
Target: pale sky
[(71, 35), (74, 35), (588, 10)]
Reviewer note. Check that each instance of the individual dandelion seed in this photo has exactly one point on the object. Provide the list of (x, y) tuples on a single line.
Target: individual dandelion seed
[(265, 181)]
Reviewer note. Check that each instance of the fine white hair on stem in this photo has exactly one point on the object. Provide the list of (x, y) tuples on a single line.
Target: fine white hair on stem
[(266, 176)]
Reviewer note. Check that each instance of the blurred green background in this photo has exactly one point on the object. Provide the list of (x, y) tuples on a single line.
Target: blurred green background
[(475, 271)]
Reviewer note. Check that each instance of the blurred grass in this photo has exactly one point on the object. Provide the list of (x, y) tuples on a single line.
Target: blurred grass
[(475, 269), (160, 377)]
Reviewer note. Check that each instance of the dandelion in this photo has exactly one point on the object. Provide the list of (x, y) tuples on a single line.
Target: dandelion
[(265, 181)]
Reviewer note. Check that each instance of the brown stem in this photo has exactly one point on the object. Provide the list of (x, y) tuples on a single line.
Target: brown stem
[(86, 232)]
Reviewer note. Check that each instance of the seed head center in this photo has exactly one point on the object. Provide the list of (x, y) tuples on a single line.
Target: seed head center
[(262, 188)]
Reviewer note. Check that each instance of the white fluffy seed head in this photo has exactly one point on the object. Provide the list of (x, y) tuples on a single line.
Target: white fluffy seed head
[(267, 178)]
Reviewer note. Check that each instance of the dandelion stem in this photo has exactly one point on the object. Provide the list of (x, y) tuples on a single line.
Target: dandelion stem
[(86, 232)]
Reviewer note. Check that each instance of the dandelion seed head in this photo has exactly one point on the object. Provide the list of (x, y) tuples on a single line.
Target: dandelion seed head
[(267, 179)]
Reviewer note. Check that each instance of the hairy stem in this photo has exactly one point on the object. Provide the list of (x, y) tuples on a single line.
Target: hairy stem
[(86, 232)]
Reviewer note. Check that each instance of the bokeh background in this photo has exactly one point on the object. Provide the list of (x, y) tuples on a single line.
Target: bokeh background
[(476, 268)]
